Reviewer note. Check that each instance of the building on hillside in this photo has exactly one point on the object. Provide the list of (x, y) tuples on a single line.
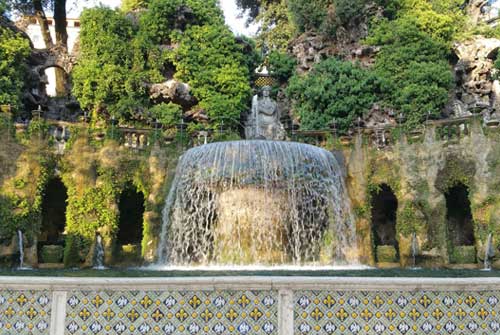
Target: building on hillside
[(492, 12)]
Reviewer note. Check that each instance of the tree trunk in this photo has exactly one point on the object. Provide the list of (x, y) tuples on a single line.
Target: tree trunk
[(44, 24), (61, 42), (61, 23), (474, 10)]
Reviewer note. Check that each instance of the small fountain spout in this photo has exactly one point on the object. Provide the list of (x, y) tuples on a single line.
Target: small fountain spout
[(20, 245), (99, 253), (414, 248), (489, 252)]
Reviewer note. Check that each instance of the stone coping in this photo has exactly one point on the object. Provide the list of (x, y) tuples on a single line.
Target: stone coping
[(251, 283)]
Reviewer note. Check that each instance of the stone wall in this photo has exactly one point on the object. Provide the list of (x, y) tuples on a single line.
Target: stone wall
[(246, 305), (420, 168), (95, 167)]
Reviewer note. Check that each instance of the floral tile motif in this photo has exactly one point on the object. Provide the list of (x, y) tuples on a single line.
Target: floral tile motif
[(323, 312), (172, 312), (25, 312)]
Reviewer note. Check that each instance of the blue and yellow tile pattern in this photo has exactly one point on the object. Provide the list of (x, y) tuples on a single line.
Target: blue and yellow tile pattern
[(174, 312), (25, 312), (324, 312)]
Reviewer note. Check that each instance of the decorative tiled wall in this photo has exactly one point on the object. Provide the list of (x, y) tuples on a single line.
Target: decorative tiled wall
[(175, 312), (25, 312), (250, 305), (330, 312)]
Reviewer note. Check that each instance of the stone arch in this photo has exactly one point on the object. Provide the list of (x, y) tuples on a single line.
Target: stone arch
[(493, 53), (384, 207), (131, 206), (55, 79)]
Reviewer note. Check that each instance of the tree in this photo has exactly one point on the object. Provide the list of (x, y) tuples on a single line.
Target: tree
[(3, 7), (281, 66), (250, 7), (442, 19)]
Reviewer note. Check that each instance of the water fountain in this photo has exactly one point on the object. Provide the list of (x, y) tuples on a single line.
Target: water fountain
[(257, 202), (20, 245), (261, 201), (414, 249), (98, 260), (489, 252)]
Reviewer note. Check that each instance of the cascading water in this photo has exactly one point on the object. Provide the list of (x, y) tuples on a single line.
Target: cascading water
[(99, 254), (257, 202), (489, 252), (20, 245), (414, 249)]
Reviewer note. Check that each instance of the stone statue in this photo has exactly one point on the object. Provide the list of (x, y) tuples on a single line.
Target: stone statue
[(264, 119)]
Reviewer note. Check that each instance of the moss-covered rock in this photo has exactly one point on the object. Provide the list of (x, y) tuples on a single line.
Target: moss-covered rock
[(464, 254), (130, 252), (386, 254), (51, 254)]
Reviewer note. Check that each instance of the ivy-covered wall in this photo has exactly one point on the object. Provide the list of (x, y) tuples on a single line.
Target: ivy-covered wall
[(95, 172), (420, 171), (95, 169)]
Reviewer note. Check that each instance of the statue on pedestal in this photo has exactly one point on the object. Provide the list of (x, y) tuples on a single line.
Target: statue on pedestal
[(264, 119)]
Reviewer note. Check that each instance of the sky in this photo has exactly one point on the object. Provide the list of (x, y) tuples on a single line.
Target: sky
[(231, 12)]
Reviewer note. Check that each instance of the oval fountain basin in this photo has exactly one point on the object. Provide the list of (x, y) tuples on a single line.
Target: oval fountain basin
[(257, 202)]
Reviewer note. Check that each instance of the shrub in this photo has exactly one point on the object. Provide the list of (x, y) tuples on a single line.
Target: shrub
[(209, 59), (324, 15), (333, 89), (167, 114)]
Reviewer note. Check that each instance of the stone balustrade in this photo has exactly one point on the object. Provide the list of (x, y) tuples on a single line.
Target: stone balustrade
[(135, 138), (380, 137), (452, 129)]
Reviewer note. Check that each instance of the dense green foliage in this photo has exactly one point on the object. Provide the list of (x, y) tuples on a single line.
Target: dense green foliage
[(121, 59), (413, 68), (441, 19), (210, 60), (14, 51), (106, 77), (334, 89), (325, 16), (163, 18), (281, 66), (276, 27), (167, 114), (3, 7), (131, 5), (309, 15)]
